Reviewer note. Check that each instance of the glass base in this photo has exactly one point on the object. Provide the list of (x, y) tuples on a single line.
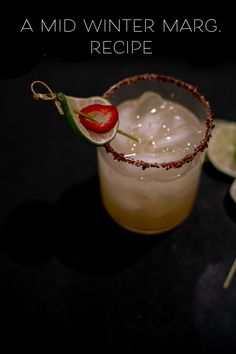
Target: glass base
[(148, 232)]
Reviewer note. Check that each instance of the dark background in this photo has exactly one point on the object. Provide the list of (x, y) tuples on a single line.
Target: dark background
[(66, 269)]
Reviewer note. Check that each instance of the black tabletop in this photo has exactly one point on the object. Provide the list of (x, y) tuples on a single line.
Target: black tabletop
[(66, 269)]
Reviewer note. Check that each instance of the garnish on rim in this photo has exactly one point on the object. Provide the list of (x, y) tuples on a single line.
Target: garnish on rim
[(94, 118), (96, 112)]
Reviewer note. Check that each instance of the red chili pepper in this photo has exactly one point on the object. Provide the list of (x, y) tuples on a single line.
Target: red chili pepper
[(99, 127)]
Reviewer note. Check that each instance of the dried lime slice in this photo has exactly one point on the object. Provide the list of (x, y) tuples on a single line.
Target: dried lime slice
[(222, 147), (232, 191), (71, 105)]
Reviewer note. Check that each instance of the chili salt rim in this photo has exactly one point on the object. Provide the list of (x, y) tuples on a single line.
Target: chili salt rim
[(171, 164)]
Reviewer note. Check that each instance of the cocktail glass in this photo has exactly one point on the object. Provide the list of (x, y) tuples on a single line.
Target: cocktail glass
[(151, 197)]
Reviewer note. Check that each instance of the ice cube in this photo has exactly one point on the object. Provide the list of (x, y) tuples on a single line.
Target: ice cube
[(126, 113), (149, 103), (148, 117), (148, 126), (162, 126)]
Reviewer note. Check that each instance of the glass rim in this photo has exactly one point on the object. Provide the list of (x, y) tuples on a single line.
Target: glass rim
[(190, 88)]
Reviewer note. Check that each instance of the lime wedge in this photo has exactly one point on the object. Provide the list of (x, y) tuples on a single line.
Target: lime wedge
[(72, 104), (218, 121), (222, 147), (232, 191)]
